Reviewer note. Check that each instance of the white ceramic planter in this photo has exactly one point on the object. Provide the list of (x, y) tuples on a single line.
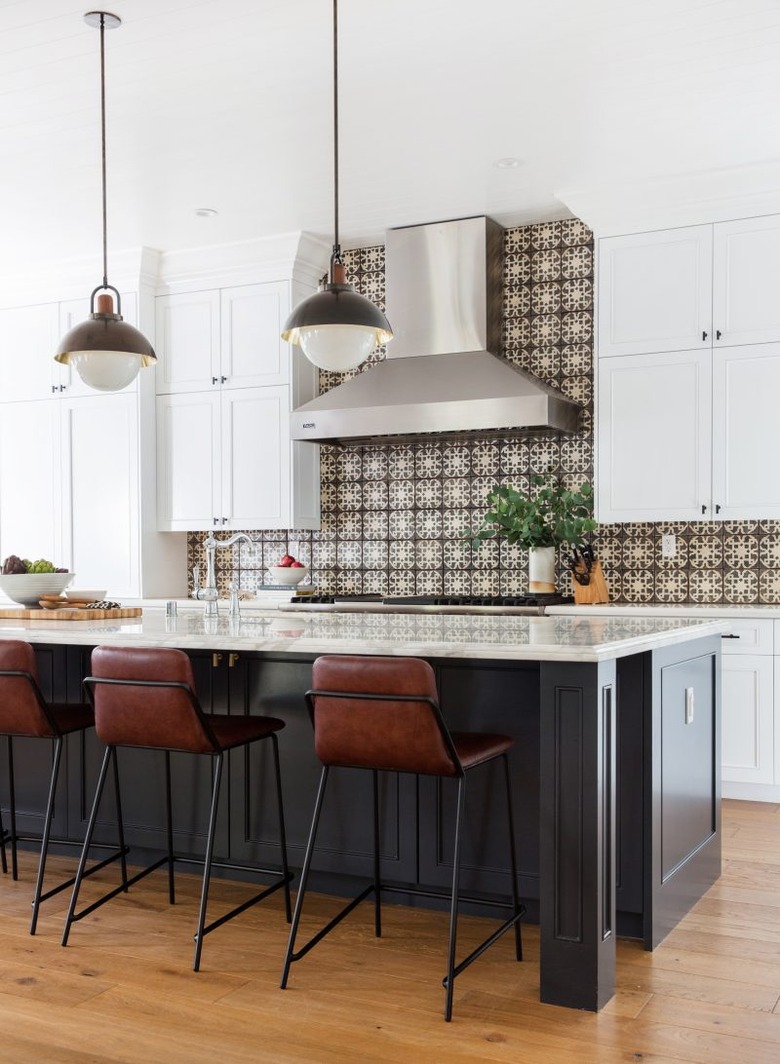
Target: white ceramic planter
[(541, 570)]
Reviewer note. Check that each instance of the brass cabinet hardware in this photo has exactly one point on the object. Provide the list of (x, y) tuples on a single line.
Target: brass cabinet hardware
[(215, 660), (232, 659)]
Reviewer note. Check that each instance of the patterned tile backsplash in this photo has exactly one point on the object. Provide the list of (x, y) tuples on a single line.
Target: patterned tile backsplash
[(395, 518)]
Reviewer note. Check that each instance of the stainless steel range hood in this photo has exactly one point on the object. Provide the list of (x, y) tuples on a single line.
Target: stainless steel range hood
[(442, 373)]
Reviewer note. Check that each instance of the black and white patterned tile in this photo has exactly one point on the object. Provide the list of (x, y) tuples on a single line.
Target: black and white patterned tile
[(396, 518)]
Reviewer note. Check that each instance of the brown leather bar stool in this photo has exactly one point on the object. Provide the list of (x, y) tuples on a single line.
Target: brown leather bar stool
[(24, 712), (146, 698), (383, 714)]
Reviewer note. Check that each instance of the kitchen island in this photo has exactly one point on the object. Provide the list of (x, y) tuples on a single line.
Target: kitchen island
[(615, 767)]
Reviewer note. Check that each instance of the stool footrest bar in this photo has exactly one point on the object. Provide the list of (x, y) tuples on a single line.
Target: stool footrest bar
[(246, 905), (116, 856), (123, 887), (502, 930), (333, 923)]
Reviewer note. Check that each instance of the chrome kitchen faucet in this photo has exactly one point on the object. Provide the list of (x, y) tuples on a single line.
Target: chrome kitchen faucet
[(208, 593)]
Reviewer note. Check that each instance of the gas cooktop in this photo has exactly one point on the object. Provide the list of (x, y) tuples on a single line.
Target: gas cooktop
[(505, 604)]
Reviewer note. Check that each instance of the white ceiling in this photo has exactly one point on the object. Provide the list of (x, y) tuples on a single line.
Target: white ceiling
[(227, 104)]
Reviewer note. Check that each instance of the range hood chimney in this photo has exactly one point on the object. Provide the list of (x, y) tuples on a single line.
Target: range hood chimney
[(443, 372)]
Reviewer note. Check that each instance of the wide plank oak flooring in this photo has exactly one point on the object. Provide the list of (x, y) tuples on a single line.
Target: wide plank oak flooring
[(123, 990)]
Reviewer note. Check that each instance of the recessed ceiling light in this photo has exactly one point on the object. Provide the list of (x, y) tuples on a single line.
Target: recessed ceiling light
[(509, 162), (206, 212)]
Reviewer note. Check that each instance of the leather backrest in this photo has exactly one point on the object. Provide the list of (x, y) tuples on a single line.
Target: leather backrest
[(21, 712), (382, 734), (130, 715)]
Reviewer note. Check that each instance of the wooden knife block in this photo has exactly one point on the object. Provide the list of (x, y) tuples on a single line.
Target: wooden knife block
[(593, 592)]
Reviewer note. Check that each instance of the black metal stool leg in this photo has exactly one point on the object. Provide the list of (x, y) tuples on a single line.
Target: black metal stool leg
[(3, 840), (377, 881), (289, 956), (282, 832), (55, 771), (454, 901), (169, 828), (110, 750), (219, 759), (12, 810), (120, 824), (512, 856)]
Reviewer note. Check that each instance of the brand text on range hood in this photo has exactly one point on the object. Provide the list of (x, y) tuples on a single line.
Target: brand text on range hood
[(442, 372)]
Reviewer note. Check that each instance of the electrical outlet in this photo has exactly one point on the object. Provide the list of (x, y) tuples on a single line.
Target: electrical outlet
[(668, 545)]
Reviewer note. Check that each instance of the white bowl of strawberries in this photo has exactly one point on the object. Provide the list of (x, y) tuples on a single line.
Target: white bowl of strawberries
[(289, 571)]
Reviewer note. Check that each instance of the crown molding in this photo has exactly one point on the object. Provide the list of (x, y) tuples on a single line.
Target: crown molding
[(75, 278), (678, 200), (292, 256)]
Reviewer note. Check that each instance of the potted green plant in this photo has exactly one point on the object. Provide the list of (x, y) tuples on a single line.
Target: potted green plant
[(549, 516)]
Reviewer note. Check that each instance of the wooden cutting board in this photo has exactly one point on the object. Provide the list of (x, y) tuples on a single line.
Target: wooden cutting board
[(72, 614)]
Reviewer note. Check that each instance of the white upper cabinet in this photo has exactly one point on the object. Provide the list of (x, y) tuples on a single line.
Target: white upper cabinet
[(655, 291), (100, 486), (654, 436), (226, 461), (72, 312), (29, 337), (746, 274), (681, 437), (253, 351), (28, 340), (695, 287), (745, 466), (30, 481), (222, 338)]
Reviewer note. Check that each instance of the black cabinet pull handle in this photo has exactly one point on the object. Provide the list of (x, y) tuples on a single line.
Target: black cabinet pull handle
[(215, 380), (731, 637), (717, 508), (704, 335), (223, 379), (718, 334), (703, 508)]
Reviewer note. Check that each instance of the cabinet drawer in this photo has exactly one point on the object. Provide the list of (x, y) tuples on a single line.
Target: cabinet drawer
[(749, 637)]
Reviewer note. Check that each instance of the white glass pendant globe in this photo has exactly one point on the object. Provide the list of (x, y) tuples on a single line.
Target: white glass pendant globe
[(106, 371), (337, 347)]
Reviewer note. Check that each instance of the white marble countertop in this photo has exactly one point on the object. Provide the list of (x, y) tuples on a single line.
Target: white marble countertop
[(622, 609), (562, 638)]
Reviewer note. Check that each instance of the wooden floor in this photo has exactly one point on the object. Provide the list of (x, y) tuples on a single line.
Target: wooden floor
[(123, 989)]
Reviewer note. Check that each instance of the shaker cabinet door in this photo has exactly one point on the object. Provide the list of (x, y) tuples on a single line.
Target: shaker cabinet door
[(30, 499), (28, 340), (748, 719), (255, 458), (188, 462), (746, 281), (746, 471), (654, 434), (99, 453), (253, 351), (655, 291), (187, 342)]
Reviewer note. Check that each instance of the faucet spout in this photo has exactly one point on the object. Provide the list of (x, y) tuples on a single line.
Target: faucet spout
[(209, 590)]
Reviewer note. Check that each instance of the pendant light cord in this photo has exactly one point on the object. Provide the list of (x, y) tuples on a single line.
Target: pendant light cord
[(103, 139), (336, 256)]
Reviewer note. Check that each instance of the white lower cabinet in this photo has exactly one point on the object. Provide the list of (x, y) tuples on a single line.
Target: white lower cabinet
[(748, 719), (749, 766)]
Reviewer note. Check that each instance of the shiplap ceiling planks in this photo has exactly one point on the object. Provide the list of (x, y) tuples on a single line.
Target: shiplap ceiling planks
[(228, 105)]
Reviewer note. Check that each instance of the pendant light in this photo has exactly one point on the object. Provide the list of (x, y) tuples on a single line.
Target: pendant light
[(106, 352), (337, 328)]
